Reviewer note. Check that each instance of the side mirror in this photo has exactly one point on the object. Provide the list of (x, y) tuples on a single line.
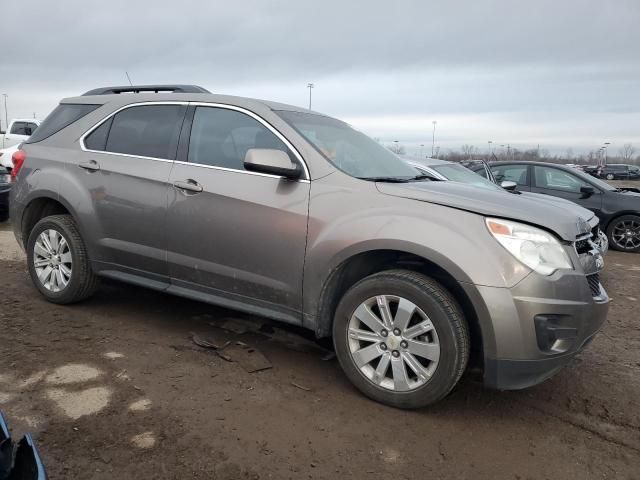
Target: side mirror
[(507, 185), (272, 161), (587, 191)]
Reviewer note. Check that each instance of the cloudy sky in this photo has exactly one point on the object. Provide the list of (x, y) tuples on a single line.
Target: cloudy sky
[(561, 73)]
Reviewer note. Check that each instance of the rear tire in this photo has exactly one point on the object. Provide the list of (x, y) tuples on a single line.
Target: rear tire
[(392, 376), (618, 233), (58, 261)]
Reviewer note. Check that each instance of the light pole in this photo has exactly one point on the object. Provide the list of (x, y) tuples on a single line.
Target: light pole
[(310, 86), (606, 145), (489, 142), (433, 138), (6, 117), (421, 147)]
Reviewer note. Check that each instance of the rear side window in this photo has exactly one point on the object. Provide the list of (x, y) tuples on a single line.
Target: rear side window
[(146, 131), (97, 140), (23, 128), (62, 116)]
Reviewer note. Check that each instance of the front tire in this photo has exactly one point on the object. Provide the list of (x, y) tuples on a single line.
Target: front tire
[(401, 338), (624, 233), (58, 261)]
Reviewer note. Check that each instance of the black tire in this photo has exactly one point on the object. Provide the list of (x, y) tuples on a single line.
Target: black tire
[(83, 282), (443, 311), (611, 230)]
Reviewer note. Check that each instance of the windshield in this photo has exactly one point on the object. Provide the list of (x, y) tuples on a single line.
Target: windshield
[(349, 150), (593, 180), (458, 173)]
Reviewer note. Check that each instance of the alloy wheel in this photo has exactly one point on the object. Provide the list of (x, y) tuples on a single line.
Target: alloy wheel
[(393, 343), (626, 234), (52, 260)]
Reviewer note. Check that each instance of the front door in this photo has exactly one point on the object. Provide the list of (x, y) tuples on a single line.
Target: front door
[(560, 183), (236, 235)]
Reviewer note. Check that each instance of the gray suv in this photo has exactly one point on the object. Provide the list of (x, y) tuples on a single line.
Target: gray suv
[(293, 215)]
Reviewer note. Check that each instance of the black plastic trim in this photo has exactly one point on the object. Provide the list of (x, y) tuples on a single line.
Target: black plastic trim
[(146, 88)]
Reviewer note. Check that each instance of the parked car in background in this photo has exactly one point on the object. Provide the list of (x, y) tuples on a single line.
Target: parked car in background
[(18, 131), (444, 170), (5, 188), (6, 155), (296, 216), (617, 208), (619, 171)]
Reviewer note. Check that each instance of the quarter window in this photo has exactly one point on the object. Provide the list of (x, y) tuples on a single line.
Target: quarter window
[(221, 137), (146, 130)]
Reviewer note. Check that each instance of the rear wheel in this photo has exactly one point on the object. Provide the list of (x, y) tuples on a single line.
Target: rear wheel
[(401, 338), (58, 261), (624, 233)]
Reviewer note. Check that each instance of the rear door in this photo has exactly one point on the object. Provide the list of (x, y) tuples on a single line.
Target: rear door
[(125, 166), (236, 235), (560, 183)]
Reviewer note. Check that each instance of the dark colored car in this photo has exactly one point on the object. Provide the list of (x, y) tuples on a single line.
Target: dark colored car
[(617, 208), (618, 171), (5, 188)]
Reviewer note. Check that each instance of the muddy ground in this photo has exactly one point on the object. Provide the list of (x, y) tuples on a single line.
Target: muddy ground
[(115, 388)]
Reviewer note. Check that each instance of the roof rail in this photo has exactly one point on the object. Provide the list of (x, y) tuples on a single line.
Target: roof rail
[(147, 88)]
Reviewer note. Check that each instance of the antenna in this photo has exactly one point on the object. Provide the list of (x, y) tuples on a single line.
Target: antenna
[(128, 78)]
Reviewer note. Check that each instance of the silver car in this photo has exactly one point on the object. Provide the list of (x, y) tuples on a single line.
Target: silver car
[(289, 214)]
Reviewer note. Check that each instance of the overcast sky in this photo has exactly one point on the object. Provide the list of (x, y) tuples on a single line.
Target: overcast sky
[(561, 73)]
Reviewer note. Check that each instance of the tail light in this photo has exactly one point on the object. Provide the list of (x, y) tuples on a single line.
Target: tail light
[(18, 158)]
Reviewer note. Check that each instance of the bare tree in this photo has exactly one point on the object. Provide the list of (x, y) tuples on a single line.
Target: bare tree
[(397, 148), (627, 152), (468, 150)]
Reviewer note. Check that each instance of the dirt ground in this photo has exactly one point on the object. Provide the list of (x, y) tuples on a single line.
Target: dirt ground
[(115, 388)]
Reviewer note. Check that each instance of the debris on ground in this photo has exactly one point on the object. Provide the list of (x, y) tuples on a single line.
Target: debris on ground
[(301, 387)]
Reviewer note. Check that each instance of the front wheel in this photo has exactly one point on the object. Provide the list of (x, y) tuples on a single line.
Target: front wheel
[(401, 338), (624, 233), (58, 261)]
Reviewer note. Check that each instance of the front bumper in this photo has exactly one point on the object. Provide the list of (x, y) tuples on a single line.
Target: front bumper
[(538, 326)]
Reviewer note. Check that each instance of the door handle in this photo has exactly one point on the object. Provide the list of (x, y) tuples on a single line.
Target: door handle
[(91, 165), (188, 186)]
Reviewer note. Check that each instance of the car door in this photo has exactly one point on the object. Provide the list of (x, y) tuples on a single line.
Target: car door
[(558, 182), (236, 235), (518, 173), (125, 167)]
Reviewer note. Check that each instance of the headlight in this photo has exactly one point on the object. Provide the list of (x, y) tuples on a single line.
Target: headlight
[(537, 249)]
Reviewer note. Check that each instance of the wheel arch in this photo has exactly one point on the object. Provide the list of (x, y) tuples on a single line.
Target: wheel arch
[(38, 208), (364, 263)]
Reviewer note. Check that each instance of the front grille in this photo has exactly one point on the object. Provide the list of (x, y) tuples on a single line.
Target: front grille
[(594, 284)]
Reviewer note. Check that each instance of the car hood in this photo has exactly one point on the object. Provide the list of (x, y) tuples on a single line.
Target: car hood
[(555, 216), (558, 202)]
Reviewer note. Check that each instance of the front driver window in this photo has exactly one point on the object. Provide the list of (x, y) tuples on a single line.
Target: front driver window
[(555, 179), (511, 173)]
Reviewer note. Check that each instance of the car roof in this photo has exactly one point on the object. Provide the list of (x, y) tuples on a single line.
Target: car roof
[(124, 99), (524, 162)]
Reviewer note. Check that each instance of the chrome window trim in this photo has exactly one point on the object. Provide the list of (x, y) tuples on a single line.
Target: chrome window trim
[(251, 114)]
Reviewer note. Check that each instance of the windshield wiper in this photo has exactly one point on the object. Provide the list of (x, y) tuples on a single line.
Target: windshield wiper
[(425, 176), (386, 179)]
